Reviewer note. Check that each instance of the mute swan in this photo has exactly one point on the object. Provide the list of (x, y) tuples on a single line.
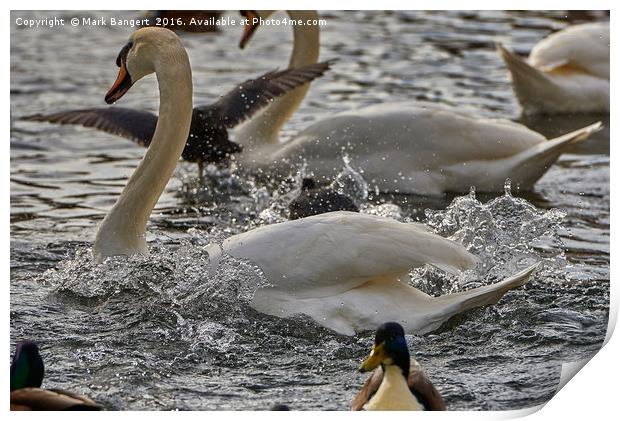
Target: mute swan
[(27, 371), (264, 128), (208, 136), (396, 385), (567, 72), (314, 200), (345, 270), (404, 148)]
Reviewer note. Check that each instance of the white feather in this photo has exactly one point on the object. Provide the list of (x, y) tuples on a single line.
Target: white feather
[(424, 149), (568, 71), (348, 272)]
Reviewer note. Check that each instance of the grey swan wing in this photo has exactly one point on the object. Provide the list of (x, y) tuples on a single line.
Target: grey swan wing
[(135, 125), (246, 99)]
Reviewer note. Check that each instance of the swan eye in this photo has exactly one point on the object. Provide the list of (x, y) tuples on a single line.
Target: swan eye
[(122, 56)]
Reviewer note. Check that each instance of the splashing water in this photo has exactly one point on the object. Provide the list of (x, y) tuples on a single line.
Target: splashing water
[(506, 233), (351, 183), (181, 282)]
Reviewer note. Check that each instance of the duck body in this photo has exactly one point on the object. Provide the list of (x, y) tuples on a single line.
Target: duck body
[(393, 393), (425, 150), (567, 72), (27, 372), (36, 399)]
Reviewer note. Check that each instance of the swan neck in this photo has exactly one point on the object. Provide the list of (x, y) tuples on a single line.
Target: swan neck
[(306, 40), (264, 128), (123, 230)]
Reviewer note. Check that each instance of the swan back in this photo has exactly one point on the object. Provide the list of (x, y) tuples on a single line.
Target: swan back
[(403, 147), (579, 48), (567, 72), (334, 252)]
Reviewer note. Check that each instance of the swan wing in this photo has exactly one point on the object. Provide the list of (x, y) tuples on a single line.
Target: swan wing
[(135, 125), (251, 96), (328, 254), (426, 137), (346, 271), (579, 48)]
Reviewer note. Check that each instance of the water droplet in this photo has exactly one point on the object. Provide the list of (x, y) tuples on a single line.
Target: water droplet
[(472, 192), (508, 187)]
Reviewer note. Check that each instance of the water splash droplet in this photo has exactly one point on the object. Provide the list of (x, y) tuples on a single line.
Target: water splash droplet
[(472, 192), (508, 187), (351, 183)]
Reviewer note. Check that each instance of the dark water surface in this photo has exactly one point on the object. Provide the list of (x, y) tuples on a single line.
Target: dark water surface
[(164, 333)]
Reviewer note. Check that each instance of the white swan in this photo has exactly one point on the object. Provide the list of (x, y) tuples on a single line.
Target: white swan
[(566, 72), (345, 270), (407, 148)]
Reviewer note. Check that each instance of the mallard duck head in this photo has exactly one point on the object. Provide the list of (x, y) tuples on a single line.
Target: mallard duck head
[(27, 366), (390, 348)]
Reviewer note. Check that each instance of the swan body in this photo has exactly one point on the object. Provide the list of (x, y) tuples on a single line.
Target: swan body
[(425, 149), (343, 269), (567, 72), (349, 271), (409, 148)]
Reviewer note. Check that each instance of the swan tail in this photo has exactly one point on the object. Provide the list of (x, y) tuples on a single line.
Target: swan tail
[(365, 307), (578, 135), (528, 166), (452, 304), (532, 86)]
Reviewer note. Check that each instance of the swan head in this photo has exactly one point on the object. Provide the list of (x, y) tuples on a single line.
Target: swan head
[(140, 57), (254, 18), (27, 366), (390, 348)]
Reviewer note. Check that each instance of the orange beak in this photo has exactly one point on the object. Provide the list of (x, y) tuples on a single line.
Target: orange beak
[(248, 29), (121, 85)]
